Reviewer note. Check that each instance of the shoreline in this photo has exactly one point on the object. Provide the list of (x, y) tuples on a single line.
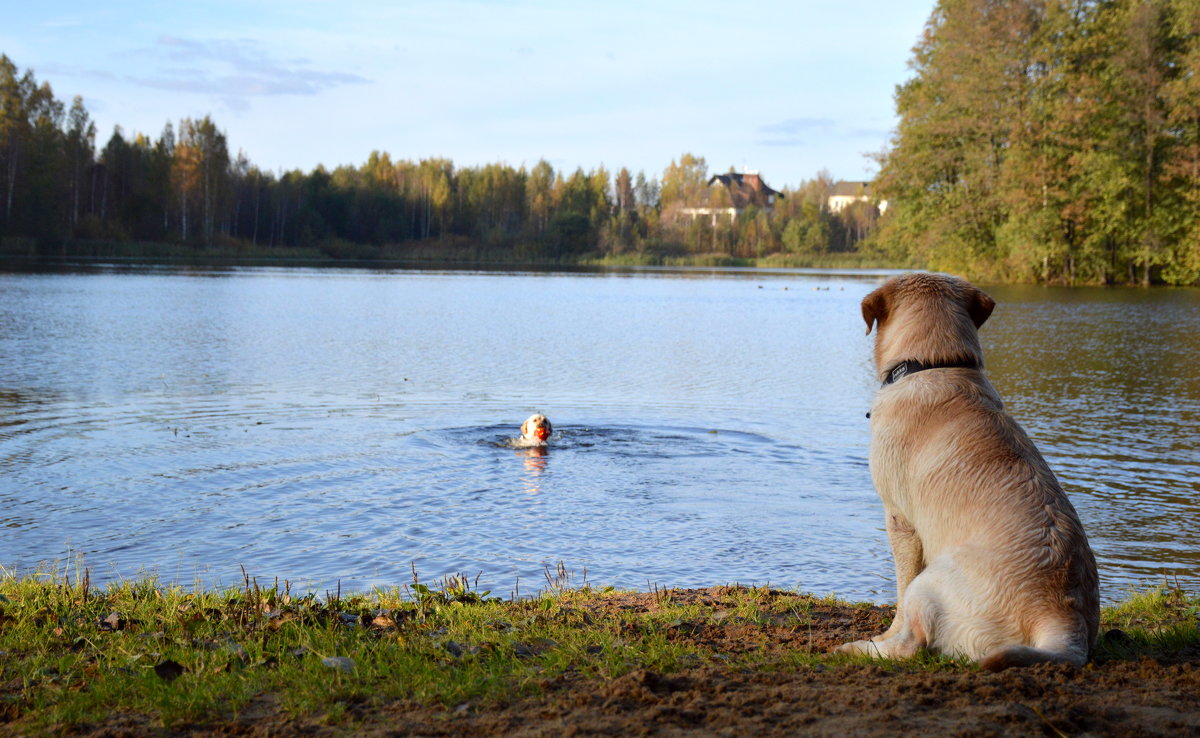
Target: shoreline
[(139, 658), (454, 256), (453, 253)]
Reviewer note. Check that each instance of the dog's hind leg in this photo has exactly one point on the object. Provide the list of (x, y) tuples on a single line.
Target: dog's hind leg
[(960, 612), (939, 611), (909, 633), (906, 642)]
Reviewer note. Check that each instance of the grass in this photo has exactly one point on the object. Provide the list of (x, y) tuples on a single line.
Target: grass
[(1155, 623), (72, 655)]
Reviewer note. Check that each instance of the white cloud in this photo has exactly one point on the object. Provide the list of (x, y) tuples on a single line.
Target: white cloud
[(235, 70)]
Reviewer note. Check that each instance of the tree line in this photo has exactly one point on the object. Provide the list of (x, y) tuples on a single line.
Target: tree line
[(1050, 140), (184, 186)]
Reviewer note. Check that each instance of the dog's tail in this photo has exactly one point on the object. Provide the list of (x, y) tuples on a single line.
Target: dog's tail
[(1017, 655), (1062, 643), (1063, 640)]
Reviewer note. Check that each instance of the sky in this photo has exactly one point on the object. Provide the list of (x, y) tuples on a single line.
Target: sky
[(789, 89)]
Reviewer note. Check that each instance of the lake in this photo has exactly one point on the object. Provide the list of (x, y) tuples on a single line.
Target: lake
[(339, 427)]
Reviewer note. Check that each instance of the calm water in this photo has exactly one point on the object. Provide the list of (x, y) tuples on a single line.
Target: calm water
[(326, 426)]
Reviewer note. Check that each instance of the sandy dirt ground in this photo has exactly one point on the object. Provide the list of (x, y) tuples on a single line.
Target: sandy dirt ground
[(1135, 697)]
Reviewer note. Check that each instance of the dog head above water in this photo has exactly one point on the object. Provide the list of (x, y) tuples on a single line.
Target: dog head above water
[(931, 318), (536, 429)]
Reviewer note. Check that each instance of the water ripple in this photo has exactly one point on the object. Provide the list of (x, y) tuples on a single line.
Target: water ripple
[(338, 429)]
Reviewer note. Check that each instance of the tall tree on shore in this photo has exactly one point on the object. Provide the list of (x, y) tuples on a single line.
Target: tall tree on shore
[(46, 195), (1049, 140), (1182, 98), (685, 182), (539, 191), (187, 172), (646, 193), (1131, 141), (81, 153), (30, 151), (1041, 180), (200, 175), (14, 129), (115, 166), (623, 192), (162, 172), (214, 173), (957, 116)]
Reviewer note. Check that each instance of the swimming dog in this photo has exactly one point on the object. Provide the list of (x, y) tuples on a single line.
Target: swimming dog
[(536, 429)]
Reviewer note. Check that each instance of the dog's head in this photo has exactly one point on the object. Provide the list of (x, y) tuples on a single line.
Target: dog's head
[(928, 317), (536, 428)]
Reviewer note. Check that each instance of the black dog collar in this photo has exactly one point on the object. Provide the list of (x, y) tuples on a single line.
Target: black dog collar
[(912, 366)]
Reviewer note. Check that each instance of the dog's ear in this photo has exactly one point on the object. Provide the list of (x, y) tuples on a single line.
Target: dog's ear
[(875, 306), (549, 428), (979, 305), (525, 428)]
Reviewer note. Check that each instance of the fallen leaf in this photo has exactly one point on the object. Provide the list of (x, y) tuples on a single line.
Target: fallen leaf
[(113, 621), (383, 621)]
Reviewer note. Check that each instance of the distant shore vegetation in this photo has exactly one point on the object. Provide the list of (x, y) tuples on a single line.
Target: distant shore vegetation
[(1050, 140), (1039, 141), (183, 194)]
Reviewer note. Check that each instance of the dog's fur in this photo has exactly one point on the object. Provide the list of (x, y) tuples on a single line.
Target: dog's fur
[(992, 563), (530, 428)]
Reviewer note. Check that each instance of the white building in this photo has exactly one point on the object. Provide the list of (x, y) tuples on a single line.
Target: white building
[(745, 189), (846, 194)]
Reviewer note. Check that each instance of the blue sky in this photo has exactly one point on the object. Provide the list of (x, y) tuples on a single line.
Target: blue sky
[(786, 88)]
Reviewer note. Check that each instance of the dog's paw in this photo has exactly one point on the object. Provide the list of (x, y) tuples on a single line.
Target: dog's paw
[(858, 647)]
